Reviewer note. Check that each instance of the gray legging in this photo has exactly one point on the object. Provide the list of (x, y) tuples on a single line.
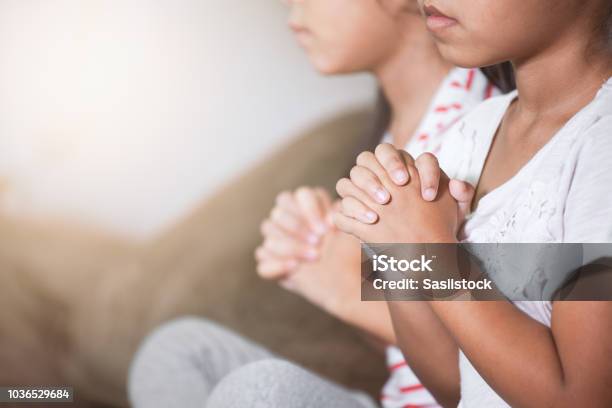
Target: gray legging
[(192, 362)]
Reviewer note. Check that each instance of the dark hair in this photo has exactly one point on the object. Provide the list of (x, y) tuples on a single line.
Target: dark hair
[(607, 19), (379, 123), (502, 75)]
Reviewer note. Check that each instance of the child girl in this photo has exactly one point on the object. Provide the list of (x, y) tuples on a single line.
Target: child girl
[(423, 97), (540, 161)]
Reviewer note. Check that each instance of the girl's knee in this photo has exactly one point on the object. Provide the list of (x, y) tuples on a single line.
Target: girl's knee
[(261, 384)]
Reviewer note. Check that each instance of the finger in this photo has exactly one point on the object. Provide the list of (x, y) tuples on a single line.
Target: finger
[(346, 188), (294, 225), (325, 199), (349, 225), (328, 205), (276, 269), (463, 193), (429, 174), (262, 254), (335, 207), (291, 218), (270, 229), (285, 200), (364, 179), (312, 209), (393, 162), (353, 208), (288, 283), (288, 249), (369, 161), (344, 223)]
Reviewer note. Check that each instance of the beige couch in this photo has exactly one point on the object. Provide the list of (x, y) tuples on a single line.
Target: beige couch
[(74, 304)]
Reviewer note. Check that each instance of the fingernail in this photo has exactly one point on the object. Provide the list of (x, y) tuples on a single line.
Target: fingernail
[(382, 196), (320, 228), (369, 217), (311, 254), (288, 284), (313, 238), (400, 176), (429, 194)]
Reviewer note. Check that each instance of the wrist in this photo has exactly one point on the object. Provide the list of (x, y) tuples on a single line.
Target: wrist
[(443, 238)]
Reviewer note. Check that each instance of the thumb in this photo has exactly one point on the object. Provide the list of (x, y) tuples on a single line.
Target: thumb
[(464, 193), (336, 207)]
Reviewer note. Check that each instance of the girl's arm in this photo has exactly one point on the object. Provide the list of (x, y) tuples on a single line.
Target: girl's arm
[(527, 363), (429, 349), (569, 364), (530, 365)]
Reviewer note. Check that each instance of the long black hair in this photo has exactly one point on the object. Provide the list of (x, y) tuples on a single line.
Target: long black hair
[(501, 75)]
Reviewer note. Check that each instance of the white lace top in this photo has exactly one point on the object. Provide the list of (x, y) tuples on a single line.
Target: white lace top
[(563, 194)]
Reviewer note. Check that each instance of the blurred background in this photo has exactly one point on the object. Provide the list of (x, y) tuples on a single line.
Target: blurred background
[(124, 114), (141, 144)]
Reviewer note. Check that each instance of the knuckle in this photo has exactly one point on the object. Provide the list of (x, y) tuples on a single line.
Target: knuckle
[(276, 213), (303, 192), (267, 245), (259, 254), (427, 158), (342, 186), (355, 172), (282, 197), (364, 157), (382, 148), (264, 227), (264, 271), (430, 156)]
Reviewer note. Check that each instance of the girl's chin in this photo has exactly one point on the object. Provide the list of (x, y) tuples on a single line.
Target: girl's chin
[(330, 70), (461, 57), (330, 66), (325, 66)]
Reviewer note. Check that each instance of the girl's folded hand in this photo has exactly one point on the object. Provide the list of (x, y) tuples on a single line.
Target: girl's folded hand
[(293, 232), (420, 203)]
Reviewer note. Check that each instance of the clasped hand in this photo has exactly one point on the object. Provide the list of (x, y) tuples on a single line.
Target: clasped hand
[(392, 198)]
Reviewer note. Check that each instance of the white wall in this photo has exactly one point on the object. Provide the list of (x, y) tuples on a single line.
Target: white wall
[(125, 113)]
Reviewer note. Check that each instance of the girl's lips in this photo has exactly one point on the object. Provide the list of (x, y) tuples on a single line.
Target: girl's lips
[(297, 28), (436, 20), (302, 34)]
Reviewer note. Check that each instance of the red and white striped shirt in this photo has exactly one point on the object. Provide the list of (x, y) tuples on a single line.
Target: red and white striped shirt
[(460, 92)]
